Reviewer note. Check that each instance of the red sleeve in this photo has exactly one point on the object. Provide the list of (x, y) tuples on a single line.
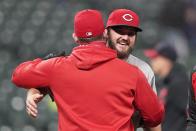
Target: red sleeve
[(32, 74), (147, 103), (194, 83)]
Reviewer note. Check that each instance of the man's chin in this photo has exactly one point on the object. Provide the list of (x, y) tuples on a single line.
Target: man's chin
[(122, 55)]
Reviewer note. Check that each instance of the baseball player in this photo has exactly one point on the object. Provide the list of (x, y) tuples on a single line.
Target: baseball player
[(191, 120), (120, 23), (86, 99), (173, 85)]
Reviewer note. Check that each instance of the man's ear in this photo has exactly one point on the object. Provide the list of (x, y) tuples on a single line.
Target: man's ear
[(105, 33), (75, 38)]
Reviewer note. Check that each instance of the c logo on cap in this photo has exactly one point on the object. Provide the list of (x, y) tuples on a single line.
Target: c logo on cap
[(127, 17)]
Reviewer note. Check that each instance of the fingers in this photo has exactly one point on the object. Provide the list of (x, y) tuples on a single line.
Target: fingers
[(31, 108), (31, 104), (31, 112)]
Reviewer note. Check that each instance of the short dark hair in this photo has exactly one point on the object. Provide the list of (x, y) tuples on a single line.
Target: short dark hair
[(91, 39), (109, 29)]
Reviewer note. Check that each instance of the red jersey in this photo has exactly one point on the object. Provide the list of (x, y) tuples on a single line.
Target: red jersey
[(93, 89), (191, 119), (194, 83)]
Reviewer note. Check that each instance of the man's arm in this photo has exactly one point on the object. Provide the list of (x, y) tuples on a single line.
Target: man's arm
[(36, 95), (149, 74), (34, 73), (147, 103), (153, 86), (137, 120)]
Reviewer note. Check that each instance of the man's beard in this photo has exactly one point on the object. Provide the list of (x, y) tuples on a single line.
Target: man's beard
[(121, 55)]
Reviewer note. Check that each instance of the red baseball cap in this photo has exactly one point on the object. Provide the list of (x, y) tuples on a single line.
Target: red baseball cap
[(151, 53), (88, 23), (162, 49), (124, 17)]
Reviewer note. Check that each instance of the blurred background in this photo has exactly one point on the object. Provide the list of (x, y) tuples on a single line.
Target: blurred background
[(34, 28)]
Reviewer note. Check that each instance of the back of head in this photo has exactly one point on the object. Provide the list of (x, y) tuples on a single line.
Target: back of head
[(88, 23), (123, 17)]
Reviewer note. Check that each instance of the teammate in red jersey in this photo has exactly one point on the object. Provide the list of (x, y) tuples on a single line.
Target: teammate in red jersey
[(191, 125)]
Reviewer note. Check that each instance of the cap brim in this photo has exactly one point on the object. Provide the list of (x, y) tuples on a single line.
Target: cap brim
[(137, 28), (150, 53)]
